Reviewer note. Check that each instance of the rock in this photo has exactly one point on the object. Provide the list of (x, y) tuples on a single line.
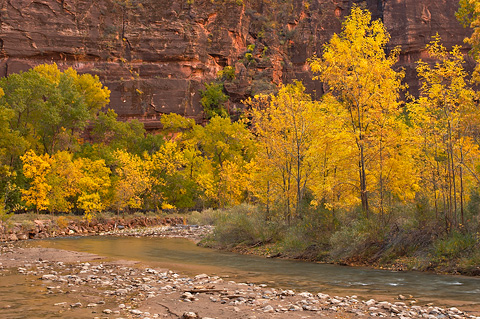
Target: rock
[(121, 291), (136, 312), (107, 311), (49, 277), (189, 315), (156, 63), (295, 308), (370, 302), (76, 305), (305, 295), (268, 309)]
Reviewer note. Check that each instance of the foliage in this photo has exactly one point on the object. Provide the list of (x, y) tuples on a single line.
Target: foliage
[(226, 74), (361, 79), (445, 117), (469, 14), (213, 100), (36, 167), (286, 128), (50, 108), (132, 181), (455, 245)]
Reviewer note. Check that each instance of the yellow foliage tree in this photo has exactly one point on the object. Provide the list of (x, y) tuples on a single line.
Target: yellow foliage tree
[(286, 125), (35, 168), (63, 179), (132, 181), (94, 185), (163, 167), (359, 75), (219, 142), (446, 118)]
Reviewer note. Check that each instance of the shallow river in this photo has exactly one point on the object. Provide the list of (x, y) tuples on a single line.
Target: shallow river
[(185, 257)]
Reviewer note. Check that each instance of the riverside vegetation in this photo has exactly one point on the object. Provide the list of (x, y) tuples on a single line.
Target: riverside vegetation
[(359, 176)]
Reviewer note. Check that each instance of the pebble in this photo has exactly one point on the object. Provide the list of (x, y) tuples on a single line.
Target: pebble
[(128, 287)]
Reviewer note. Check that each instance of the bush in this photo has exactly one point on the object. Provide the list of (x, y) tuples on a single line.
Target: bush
[(243, 225), (361, 238), (455, 245), (213, 100), (62, 222), (206, 217), (4, 215)]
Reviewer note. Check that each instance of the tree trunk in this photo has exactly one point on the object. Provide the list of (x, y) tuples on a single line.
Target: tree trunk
[(363, 184)]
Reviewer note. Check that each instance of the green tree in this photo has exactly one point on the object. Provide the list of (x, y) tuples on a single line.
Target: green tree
[(51, 107), (213, 100)]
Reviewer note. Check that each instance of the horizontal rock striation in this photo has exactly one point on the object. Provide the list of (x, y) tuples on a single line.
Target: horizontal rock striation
[(155, 55)]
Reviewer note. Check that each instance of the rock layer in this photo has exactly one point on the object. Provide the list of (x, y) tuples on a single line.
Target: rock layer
[(155, 55)]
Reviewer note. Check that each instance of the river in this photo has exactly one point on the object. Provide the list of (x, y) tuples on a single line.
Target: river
[(185, 257)]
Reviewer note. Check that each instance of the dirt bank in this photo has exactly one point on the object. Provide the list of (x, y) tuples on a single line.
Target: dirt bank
[(49, 226)]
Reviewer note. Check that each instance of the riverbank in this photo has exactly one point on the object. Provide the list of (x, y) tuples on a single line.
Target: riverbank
[(23, 227), (83, 285)]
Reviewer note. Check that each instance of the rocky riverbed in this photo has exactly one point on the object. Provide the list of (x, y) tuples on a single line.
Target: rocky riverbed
[(61, 226), (81, 285), (192, 232)]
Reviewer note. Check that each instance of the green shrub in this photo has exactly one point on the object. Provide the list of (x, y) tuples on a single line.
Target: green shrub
[(206, 217), (455, 245), (362, 238), (213, 100), (227, 74), (243, 225), (4, 214)]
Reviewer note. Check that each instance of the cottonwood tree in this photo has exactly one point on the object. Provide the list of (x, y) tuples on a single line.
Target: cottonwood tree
[(446, 118), (286, 126), (359, 74)]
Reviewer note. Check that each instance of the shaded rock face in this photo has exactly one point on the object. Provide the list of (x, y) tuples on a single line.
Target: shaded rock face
[(155, 55)]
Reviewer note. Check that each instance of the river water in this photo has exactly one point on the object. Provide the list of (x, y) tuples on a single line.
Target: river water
[(185, 257)]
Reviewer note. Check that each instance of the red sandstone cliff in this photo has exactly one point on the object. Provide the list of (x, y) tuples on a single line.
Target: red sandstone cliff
[(154, 55)]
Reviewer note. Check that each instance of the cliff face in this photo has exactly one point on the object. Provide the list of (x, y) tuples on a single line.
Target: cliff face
[(155, 55)]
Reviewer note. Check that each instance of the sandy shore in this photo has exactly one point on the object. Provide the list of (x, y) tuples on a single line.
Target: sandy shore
[(81, 285)]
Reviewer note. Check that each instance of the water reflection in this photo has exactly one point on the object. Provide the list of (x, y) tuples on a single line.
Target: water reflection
[(184, 256)]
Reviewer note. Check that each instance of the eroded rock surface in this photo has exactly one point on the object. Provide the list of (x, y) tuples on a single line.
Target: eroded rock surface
[(154, 55)]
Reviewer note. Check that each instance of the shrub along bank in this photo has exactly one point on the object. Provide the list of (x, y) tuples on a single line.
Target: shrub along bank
[(407, 245)]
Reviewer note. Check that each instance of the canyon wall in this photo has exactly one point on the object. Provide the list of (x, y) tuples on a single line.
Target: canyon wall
[(155, 55)]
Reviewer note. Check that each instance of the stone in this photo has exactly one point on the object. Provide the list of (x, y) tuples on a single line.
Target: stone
[(201, 276), (370, 302), (190, 315), (268, 309), (135, 312), (155, 61)]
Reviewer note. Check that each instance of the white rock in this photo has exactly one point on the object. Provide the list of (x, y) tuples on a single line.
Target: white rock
[(370, 302), (268, 309), (322, 296), (136, 312), (305, 295)]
